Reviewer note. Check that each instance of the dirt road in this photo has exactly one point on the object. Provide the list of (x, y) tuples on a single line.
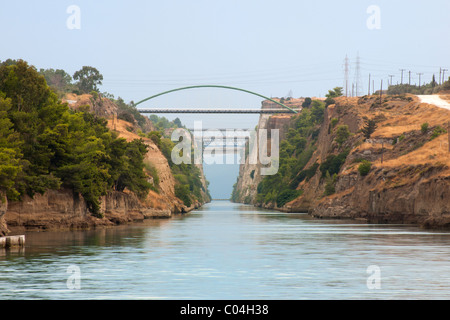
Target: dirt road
[(435, 100)]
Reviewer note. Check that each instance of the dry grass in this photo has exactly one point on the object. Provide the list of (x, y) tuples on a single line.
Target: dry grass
[(411, 120), (435, 151)]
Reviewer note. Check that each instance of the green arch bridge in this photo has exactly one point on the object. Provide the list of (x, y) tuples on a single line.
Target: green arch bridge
[(283, 109)]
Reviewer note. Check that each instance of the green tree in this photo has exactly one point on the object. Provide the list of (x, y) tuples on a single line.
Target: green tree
[(336, 92), (134, 178), (369, 127), (306, 103), (424, 127), (10, 156), (330, 182), (88, 79), (57, 79), (364, 167), (342, 134)]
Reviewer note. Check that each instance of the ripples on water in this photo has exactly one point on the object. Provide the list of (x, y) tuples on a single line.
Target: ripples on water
[(231, 251)]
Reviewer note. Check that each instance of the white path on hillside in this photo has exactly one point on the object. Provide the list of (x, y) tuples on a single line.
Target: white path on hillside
[(435, 100)]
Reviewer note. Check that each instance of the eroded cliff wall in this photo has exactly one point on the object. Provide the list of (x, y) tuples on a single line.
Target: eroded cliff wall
[(409, 179)]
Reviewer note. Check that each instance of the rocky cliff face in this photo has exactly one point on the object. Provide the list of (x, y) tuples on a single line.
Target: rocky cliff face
[(61, 209), (409, 179), (250, 176)]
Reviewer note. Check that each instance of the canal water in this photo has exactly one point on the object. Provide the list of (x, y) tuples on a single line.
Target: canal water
[(231, 251)]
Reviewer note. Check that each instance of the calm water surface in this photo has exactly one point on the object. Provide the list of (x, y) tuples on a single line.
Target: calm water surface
[(231, 251)]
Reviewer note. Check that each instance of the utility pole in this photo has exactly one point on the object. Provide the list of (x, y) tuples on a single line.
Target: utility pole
[(346, 76), (409, 77), (440, 75), (401, 82), (369, 85), (419, 74), (381, 91), (391, 78), (358, 75)]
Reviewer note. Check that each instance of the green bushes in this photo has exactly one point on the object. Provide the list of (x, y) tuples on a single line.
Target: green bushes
[(364, 167), (438, 130), (182, 193), (287, 196), (333, 163), (342, 134), (330, 183), (424, 127), (295, 152)]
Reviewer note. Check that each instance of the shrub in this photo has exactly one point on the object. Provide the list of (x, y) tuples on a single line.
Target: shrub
[(182, 193), (287, 196), (333, 163), (424, 127), (330, 184), (438, 130), (334, 122), (342, 134), (364, 167), (306, 103)]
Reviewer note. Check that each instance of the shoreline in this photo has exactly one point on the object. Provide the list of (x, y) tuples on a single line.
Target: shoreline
[(59, 210)]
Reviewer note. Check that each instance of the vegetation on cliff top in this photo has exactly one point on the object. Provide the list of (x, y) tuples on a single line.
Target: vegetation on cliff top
[(45, 145)]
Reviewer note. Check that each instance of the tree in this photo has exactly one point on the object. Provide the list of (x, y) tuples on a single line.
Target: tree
[(342, 134), (306, 103), (364, 167), (88, 79), (424, 127), (317, 111), (330, 183), (10, 156), (336, 92), (57, 79), (369, 127), (178, 123)]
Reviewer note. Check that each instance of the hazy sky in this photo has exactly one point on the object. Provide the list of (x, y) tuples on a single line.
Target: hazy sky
[(271, 47)]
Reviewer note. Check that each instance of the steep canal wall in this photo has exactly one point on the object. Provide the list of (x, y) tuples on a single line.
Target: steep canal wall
[(408, 180)]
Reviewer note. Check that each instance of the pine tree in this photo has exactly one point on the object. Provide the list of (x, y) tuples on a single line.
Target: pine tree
[(369, 127)]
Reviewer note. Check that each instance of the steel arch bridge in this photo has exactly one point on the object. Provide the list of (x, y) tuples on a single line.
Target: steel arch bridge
[(284, 107)]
